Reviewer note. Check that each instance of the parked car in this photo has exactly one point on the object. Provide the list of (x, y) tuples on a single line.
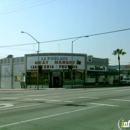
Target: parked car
[(125, 81)]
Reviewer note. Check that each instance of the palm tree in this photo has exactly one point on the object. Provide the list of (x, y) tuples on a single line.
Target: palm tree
[(119, 52)]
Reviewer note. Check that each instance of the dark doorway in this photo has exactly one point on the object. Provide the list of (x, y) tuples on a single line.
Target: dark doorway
[(56, 82)]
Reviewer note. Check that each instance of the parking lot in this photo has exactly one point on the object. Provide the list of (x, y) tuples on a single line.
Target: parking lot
[(66, 109)]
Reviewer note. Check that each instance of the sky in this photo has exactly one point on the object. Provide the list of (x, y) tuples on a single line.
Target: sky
[(48, 20)]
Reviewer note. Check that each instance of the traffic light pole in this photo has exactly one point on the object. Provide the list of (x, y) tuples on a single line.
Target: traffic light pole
[(72, 66), (38, 66), (72, 59), (37, 55)]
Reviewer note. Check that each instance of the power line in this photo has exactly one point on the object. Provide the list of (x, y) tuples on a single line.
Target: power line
[(88, 35), (115, 31), (26, 6)]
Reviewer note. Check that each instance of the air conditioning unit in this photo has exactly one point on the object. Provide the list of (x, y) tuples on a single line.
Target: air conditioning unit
[(89, 58)]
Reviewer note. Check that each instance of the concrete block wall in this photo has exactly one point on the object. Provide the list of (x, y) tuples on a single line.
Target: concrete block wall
[(9, 68), (6, 76), (18, 70)]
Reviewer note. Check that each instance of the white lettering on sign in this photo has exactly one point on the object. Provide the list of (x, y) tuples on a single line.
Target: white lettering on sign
[(55, 62), (96, 68)]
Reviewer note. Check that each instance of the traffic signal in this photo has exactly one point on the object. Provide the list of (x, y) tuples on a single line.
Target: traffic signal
[(70, 67), (40, 69)]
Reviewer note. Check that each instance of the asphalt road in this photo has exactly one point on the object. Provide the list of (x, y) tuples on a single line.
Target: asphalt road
[(64, 109)]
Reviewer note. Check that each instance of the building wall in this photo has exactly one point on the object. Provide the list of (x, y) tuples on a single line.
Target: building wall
[(12, 70), (6, 76), (97, 69), (19, 73), (47, 59)]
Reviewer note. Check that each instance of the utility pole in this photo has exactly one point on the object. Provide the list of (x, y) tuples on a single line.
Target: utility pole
[(37, 55)]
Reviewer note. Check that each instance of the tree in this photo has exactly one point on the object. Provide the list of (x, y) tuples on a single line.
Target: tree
[(119, 52)]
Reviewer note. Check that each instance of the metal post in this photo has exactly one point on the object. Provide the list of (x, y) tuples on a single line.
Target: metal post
[(38, 67), (37, 55), (72, 66), (72, 59)]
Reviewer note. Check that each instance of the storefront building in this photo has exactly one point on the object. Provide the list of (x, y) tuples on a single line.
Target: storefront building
[(55, 69), (97, 70)]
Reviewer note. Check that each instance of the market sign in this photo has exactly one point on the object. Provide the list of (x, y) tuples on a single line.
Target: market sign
[(55, 62), (127, 67), (96, 68)]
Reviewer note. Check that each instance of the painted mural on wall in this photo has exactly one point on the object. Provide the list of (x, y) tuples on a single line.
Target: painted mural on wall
[(19, 77)]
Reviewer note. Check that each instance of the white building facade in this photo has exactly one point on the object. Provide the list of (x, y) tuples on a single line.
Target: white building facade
[(22, 72)]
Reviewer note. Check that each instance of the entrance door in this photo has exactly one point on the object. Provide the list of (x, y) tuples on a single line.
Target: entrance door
[(56, 82)]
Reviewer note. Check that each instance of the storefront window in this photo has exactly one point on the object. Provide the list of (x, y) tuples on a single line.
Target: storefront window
[(32, 78), (78, 75)]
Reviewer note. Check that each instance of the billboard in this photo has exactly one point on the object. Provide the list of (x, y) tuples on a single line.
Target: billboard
[(55, 62)]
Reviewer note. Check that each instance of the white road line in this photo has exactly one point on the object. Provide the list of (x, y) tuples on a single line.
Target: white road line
[(47, 100), (69, 101), (41, 95), (104, 104), (36, 95), (9, 98), (53, 100), (5, 105), (19, 107), (120, 100), (90, 97), (44, 117), (40, 99)]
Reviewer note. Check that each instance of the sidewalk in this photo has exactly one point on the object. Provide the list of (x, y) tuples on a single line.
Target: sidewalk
[(74, 87), (102, 86)]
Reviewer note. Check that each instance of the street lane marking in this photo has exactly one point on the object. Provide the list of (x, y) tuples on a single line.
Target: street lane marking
[(19, 107), (5, 105), (120, 100), (99, 104), (44, 117), (53, 100), (48, 100), (9, 98), (69, 101), (35, 95), (90, 97)]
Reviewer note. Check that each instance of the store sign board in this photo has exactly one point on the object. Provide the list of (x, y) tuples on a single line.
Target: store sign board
[(55, 62), (127, 67), (96, 68)]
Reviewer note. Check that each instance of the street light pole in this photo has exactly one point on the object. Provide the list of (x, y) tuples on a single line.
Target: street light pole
[(72, 60), (37, 55)]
